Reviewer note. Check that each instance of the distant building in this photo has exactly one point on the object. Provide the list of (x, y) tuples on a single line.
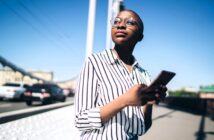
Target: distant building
[(207, 92), (8, 75), (190, 89), (46, 75), (68, 84), (10, 72)]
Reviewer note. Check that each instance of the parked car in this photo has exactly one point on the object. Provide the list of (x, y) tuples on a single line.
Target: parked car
[(12, 90), (68, 92), (44, 93)]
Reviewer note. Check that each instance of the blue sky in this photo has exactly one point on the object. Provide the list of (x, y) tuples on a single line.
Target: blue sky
[(50, 35)]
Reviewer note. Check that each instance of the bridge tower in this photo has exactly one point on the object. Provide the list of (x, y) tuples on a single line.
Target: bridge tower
[(114, 6)]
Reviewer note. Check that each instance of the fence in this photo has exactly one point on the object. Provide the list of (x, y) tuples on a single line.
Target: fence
[(192, 104)]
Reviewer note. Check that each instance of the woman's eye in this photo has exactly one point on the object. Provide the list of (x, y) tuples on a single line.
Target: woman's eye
[(116, 21), (130, 22)]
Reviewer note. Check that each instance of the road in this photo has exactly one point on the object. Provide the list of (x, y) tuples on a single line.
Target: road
[(7, 106)]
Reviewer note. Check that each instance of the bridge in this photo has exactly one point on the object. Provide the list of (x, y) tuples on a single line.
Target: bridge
[(15, 68), (168, 123)]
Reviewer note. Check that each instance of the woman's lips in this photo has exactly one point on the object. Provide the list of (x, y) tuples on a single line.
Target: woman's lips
[(120, 34)]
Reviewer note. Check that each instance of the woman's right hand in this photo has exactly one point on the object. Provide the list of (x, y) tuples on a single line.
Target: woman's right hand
[(140, 95)]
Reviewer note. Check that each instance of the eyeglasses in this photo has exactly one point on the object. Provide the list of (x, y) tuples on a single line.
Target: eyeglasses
[(129, 22)]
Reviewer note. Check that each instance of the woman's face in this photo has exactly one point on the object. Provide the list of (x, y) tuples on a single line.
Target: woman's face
[(125, 29)]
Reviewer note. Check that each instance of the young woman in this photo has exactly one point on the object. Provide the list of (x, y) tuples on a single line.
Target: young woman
[(112, 100)]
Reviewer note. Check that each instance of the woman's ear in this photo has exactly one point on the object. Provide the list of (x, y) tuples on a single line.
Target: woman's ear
[(140, 37)]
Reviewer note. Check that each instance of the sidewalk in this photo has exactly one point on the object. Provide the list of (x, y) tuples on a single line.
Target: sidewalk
[(168, 124), (57, 124), (171, 124)]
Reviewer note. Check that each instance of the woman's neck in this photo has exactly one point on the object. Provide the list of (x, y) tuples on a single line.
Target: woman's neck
[(125, 54)]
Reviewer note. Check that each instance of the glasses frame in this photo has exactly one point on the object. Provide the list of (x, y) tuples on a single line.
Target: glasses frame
[(125, 22)]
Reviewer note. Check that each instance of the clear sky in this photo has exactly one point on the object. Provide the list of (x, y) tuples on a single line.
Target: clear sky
[(50, 35)]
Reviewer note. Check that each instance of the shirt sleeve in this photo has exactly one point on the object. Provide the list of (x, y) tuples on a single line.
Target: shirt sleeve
[(86, 112)]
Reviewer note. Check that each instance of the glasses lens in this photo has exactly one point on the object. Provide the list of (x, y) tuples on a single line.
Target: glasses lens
[(130, 22), (116, 21)]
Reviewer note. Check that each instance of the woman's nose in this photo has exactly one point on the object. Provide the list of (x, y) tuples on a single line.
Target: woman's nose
[(122, 24)]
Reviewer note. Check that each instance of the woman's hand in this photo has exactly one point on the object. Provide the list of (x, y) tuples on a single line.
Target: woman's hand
[(158, 93), (140, 95)]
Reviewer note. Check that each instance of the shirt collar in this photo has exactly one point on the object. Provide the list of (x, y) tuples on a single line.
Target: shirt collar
[(113, 58)]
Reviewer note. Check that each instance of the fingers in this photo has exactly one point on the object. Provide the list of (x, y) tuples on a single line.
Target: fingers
[(160, 93), (163, 89), (153, 95)]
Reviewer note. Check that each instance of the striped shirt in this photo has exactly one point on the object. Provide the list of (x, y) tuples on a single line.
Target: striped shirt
[(103, 78)]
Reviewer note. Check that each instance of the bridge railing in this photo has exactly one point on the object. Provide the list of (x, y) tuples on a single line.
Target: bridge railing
[(193, 104)]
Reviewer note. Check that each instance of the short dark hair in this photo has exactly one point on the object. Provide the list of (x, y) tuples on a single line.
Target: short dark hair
[(139, 19)]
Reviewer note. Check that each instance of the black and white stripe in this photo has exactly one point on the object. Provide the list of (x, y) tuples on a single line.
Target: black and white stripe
[(102, 79)]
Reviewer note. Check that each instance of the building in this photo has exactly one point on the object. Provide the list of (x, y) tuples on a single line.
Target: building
[(68, 84), (207, 92), (12, 73), (9, 75)]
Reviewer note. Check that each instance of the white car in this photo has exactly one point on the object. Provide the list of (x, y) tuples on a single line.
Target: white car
[(12, 90)]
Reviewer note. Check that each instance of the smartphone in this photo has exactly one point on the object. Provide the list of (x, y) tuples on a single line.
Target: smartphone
[(163, 78)]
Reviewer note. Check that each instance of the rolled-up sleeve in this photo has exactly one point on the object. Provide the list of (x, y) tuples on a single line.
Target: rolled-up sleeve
[(86, 110)]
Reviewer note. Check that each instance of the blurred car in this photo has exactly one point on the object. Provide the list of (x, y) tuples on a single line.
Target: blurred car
[(44, 93), (68, 92), (13, 90)]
